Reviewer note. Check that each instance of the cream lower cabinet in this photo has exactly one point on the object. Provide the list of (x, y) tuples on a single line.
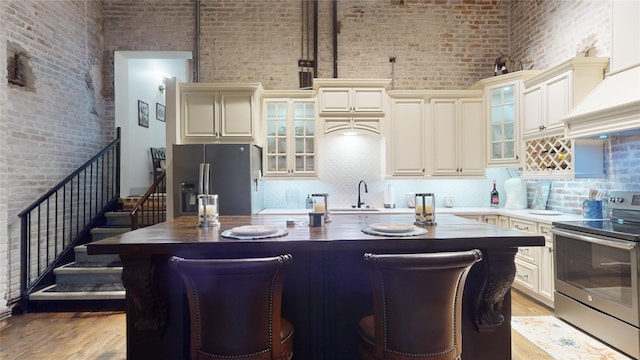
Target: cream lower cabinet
[(487, 219), (458, 135), (218, 112), (534, 264), (547, 267)]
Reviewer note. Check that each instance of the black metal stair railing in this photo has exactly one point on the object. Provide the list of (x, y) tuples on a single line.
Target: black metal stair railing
[(63, 217), (152, 206)]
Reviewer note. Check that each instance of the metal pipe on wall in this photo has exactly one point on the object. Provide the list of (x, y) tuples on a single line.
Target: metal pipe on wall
[(196, 56), (335, 38), (315, 37)]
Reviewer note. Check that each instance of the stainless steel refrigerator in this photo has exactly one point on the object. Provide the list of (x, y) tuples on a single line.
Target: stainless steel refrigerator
[(236, 171)]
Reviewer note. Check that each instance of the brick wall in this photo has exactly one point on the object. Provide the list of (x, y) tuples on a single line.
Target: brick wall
[(145, 25), (260, 41), (4, 238), (54, 124), (550, 32)]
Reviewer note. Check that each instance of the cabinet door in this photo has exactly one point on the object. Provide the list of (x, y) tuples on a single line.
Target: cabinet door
[(276, 140), (547, 272), (503, 125), (503, 221), (532, 117), (290, 138), (472, 137), (199, 113), (304, 138), (368, 100), (335, 100), (490, 219), (408, 144), (237, 115), (558, 100), (445, 144)]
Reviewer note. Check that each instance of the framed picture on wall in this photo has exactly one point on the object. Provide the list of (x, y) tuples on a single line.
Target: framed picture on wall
[(143, 114), (160, 112)]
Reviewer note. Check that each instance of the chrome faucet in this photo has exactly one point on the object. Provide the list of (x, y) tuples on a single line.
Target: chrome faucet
[(361, 202)]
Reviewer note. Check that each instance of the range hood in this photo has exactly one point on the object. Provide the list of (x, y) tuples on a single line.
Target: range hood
[(613, 107)]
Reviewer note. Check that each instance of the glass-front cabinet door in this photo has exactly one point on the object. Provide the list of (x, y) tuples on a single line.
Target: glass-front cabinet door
[(503, 130), (290, 139)]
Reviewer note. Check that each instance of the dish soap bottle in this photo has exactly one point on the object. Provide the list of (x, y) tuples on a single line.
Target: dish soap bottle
[(495, 197)]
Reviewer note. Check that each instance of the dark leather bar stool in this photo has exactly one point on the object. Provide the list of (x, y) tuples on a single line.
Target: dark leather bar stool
[(417, 302), (235, 307)]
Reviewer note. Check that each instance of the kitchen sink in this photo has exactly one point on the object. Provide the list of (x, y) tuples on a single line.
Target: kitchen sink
[(364, 209)]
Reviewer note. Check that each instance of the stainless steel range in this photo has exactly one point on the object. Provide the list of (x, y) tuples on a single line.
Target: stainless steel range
[(596, 266)]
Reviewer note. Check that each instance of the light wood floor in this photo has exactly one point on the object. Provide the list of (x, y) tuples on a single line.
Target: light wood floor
[(102, 335)]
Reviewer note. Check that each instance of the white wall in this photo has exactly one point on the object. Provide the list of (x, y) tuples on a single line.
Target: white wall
[(137, 77)]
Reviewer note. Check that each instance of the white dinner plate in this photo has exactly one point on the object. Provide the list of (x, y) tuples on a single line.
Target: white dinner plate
[(392, 227), (545, 212), (254, 230)]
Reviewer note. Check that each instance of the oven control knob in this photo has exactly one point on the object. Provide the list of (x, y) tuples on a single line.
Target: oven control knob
[(616, 199), (619, 200)]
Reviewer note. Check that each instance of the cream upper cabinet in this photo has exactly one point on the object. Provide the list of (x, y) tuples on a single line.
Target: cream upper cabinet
[(503, 104), (218, 112), (408, 138), (546, 105), (352, 104), (458, 137), (552, 94), (290, 137), (352, 100)]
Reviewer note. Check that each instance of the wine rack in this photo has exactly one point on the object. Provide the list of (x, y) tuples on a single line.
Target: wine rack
[(555, 157), (548, 154)]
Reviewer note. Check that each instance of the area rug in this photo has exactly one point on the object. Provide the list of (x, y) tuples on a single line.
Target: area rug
[(562, 341)]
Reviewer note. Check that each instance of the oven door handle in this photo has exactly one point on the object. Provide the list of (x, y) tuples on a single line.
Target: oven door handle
[(615, 244)]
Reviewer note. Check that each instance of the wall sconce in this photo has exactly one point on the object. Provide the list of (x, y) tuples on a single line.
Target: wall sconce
[(163, 81)]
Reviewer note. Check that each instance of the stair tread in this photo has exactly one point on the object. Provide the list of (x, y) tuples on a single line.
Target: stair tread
[(80, 292), (111, 228), (84, 288), (84, 264), (87, 269)]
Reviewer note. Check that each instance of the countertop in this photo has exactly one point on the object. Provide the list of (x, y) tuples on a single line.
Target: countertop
[(521, 214), (343, 232)]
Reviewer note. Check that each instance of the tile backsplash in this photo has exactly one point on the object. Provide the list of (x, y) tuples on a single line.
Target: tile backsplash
[(345, 160)]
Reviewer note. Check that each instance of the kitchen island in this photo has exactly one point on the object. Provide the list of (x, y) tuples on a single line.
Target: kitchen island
[(326, 288)]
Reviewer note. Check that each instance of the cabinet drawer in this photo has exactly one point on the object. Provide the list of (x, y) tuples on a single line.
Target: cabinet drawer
[(522, 225), (529, 254), (526, 275)]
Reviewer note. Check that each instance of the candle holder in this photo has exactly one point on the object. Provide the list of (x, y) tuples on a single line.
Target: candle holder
[(425, 209), (320, 208), (208, 210)]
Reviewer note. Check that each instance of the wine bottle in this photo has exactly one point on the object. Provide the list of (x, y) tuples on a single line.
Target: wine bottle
[(495, 197)]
